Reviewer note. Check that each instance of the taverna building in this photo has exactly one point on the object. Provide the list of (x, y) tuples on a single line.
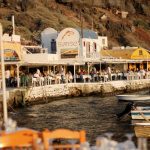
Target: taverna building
[(73, 43), (72, 49)]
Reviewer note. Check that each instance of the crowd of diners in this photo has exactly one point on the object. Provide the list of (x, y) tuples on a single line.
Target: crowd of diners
[(41, 78)]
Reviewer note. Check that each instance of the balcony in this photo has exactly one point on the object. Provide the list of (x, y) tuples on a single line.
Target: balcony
[(40, 58)]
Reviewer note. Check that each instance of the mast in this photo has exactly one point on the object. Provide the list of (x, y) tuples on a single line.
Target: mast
[(13, 24), (81, 28), (81, 22), (5, 113), (92, 3)]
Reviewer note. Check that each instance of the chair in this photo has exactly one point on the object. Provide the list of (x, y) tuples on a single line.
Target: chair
[(49, 80), (20, 139), (34, 81), (41, 81), (62, 134)]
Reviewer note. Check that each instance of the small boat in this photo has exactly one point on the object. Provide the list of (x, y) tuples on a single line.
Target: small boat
[(141, 113), (133, 97), (142, 130)]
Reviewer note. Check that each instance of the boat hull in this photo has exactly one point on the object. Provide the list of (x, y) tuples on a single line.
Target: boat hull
[(133, 97), (137, 115), (142, 130), (141, 113)]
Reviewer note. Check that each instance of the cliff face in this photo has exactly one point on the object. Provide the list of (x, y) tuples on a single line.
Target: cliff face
[(132, 6), (103, 16)]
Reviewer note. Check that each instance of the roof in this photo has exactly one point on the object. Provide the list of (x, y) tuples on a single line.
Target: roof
[(134, 54), (119, 53), (88, 33)]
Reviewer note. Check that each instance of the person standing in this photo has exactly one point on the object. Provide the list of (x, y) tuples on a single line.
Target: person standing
[(62, 73), (109, 73), (7, 76), (38, 72)]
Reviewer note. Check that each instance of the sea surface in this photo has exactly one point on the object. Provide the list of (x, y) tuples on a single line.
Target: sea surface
[(94, 114)]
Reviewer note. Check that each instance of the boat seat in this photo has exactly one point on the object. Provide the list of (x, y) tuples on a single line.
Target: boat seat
[(20, 139), (62, 134)]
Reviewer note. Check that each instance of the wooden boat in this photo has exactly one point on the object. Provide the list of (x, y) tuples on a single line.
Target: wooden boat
[(142, 130), (133, 97), (141, 113), (134, 121)]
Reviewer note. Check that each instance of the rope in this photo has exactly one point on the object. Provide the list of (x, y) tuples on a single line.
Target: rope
[(142, 115), (12, 108)]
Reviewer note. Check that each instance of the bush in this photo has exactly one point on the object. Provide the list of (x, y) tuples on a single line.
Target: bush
[(141, 23), (123, 41), (9, 30), (38, 24)]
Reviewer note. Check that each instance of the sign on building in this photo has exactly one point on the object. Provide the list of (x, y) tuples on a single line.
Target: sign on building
[(10, 55), (12, 51), (68, 43)]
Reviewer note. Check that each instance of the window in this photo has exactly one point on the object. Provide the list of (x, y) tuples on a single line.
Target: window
[(140, 52), (53, 46), (103, 41), (84, 43), (87, 49), (94, 46)]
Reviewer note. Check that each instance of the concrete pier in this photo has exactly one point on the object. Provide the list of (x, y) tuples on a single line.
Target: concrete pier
[(42, 94)]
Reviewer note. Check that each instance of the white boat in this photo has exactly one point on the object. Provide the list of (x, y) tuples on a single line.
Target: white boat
[(141, 113), (133, 97)]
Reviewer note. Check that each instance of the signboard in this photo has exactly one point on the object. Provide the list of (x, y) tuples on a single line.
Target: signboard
[(10, 55), (68, 43), (12, 51)]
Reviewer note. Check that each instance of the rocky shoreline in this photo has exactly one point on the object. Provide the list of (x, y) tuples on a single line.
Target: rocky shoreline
[(43, 94)]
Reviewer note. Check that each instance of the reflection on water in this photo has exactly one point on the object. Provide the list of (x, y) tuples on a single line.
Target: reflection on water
[(96, 115)]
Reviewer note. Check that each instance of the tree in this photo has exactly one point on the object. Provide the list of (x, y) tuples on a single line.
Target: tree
[(9, 30)]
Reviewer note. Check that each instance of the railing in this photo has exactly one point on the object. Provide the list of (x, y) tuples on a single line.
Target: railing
[(58, 79)]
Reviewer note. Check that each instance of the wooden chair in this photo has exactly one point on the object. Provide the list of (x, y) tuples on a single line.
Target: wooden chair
[(62, 134), (20, 139)]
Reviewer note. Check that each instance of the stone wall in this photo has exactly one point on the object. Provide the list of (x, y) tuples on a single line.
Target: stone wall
[(19, 97)]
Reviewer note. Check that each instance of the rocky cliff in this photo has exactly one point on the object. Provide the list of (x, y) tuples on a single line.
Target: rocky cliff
[(125, 22)]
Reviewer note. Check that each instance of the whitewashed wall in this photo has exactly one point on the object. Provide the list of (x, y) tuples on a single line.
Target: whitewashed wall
[(40, 58), (46, 37)]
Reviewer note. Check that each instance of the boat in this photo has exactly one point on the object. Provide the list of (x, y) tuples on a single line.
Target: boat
[(142, 130), (133, 97), (141, 113)]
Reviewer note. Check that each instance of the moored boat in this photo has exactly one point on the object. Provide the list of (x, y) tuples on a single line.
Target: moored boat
[(142, 130), (133, 97), (141, 113)]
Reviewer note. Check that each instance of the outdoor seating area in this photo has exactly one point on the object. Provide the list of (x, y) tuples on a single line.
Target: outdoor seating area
[(41, 79), (85, 78)]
